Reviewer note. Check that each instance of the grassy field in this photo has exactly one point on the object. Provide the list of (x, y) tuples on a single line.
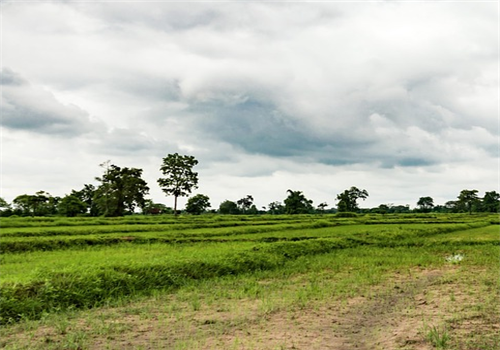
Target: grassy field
[(251, 282)]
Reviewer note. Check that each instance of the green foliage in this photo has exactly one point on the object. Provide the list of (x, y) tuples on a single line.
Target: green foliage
[(491, 202), (88, 232), (3, 204), (197, 204), (121, 190), (179, 178), (86, 195), (346, 214), (39, 204), (322, 207), (425, 204), (244, 204), (439, 337), (293, 250), (151, 208), (276, 208), (138, 261), (468, 199), (71, 206), (5, 208), (348, 199), (229, 207), (297, 203)]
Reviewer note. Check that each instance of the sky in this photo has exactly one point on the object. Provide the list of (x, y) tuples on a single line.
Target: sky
[(400, 98)]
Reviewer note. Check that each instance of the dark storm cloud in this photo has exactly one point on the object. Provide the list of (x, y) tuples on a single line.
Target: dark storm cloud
[(253, 126), (31, 108), (385, 133)]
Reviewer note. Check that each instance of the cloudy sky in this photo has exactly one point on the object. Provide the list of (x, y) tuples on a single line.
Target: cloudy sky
[(396, 97)]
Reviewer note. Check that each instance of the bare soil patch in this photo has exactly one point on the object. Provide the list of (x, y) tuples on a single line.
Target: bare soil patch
[(375, 322), (395, 315)]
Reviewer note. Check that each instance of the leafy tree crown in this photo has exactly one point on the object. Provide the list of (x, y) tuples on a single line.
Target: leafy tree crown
[(180, 179)]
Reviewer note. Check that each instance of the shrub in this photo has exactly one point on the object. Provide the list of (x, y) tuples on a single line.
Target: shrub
[(346, 214)]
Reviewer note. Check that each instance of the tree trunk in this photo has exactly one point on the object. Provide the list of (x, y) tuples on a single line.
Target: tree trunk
[(175, 206)]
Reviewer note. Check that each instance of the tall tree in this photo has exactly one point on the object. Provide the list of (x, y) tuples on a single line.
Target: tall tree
[(244, 204), (197, 204), (491, 202), (180, 179), (121, 189), (297, 203), (468, 199), (425, 203), (348, 200)]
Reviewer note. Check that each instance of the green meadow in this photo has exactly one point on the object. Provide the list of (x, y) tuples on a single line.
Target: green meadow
[(392, 281)]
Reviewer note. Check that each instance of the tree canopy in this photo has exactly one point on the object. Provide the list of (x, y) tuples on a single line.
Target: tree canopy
[(244, 204), (297, 203), (228, 207), (197, 204), (348, 200), (39, 204), (425, 204), (491, 202), (86, 195), (276, 208), (121, 189), (467, 199), (179, 178), (71, 205)]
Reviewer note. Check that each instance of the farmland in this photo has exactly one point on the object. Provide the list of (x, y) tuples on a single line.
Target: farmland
[(251, 282)]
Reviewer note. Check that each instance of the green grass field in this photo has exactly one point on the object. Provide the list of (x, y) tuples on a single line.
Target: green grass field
[(251, 282)]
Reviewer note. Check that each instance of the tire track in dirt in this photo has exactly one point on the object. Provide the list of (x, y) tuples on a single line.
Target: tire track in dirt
[(363, 323), (379, 323)]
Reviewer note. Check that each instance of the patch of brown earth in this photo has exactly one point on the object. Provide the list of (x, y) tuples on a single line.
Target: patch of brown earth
[(361, 323), (397, 315), (400, 318)]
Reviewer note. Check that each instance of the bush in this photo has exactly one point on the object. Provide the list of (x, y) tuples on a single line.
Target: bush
[(346, 214)]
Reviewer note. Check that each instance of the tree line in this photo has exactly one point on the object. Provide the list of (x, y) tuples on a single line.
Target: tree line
[(121, 191)]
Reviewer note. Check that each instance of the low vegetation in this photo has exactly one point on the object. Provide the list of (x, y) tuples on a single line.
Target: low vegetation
[(211, 282)]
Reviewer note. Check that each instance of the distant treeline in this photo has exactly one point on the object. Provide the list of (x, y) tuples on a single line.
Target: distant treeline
[(122, 191)]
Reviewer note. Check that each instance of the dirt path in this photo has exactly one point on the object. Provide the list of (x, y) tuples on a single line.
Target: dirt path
[(364, 323), (384, 321)]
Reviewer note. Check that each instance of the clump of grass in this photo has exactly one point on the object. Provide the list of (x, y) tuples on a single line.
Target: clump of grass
[(439, 337)]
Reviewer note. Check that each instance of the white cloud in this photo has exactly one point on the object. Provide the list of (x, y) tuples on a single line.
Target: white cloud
[(351, 92), (28, 107)]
